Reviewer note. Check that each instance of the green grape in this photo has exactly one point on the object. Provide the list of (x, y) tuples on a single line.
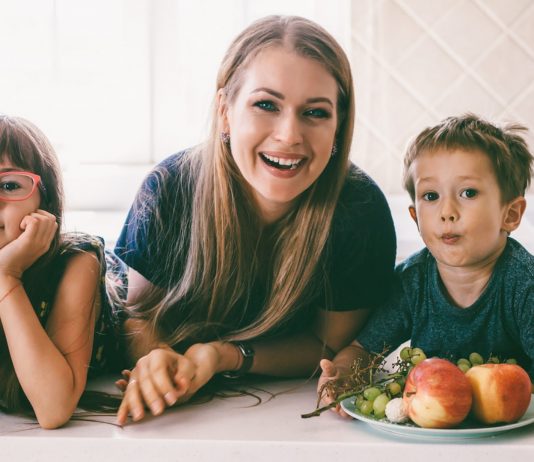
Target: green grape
[(394, 388), (371, 393), (463, 361), (418, 355), (511, 361), (358, 402), (366, 407), (493, 360), (401, 381), (405, 353), (463, 367), (379, 405), (476, 359)]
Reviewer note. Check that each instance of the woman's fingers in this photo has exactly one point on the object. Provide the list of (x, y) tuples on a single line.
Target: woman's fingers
[(132, 404)]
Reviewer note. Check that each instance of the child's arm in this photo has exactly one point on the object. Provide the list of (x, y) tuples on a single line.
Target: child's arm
[(338, 367), (51, 365)]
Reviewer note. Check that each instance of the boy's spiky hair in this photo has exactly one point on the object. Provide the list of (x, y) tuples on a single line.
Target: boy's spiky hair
[(508, 151)]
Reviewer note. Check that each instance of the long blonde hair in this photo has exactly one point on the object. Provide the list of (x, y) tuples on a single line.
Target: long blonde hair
[(214, 257)]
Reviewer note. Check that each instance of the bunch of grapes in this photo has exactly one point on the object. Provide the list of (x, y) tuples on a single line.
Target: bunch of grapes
[(371, 385), (383, 388), (475, 359)]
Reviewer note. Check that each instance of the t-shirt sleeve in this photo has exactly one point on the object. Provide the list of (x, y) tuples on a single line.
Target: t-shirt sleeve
[(389, 326), (140, 244), (526, 328), (363, 247)]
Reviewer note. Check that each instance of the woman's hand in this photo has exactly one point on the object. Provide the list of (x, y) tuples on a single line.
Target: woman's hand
[(330, 372), (163, 378), (38, 230), (159, 379)]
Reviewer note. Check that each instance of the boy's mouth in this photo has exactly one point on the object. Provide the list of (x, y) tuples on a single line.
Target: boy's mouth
[(449, 238)]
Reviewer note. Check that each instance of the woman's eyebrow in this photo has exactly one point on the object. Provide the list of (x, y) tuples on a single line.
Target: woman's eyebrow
[(318, 99)]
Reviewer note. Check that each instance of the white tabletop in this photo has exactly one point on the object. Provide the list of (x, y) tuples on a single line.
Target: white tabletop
[(234, 430)]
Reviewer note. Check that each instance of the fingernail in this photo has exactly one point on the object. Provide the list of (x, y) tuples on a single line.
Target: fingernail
[(170, 398), (156, 407)]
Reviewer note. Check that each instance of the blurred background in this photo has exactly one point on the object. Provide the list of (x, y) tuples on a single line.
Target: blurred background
[(118, 85)]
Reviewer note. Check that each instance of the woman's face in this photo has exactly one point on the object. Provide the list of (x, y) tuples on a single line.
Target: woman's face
[(282, 124)]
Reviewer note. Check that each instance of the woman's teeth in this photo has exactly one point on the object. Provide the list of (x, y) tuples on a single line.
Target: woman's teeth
[(278, 162)]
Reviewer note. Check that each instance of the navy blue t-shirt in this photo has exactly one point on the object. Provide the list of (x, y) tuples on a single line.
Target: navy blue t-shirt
[(358, 260), (499, 323)]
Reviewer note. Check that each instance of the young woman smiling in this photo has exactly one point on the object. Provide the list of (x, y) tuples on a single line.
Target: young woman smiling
[(263, 249)]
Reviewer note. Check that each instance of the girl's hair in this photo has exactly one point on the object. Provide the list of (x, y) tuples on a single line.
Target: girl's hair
[(26, 147), (216, 243)]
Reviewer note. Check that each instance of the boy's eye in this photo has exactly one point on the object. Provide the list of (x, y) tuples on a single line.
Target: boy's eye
[(469, 193), (317, 113), (430, 196), (266, 105)]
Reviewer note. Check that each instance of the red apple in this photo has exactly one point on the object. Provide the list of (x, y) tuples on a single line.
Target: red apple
[(501, 392), (437, 394)]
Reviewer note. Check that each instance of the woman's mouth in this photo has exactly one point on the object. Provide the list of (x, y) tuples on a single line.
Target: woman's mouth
[(282, 163)]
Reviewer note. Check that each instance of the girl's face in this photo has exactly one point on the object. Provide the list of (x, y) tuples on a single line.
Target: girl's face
[(282, 124), (12, 213)]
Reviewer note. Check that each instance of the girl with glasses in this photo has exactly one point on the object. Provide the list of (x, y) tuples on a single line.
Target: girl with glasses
[(58, 318)]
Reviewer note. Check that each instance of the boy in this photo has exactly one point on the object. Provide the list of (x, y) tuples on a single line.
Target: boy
[(472, 287)]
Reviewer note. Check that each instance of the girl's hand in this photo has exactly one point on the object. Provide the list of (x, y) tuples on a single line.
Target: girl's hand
[(330, 372), (161, 378), (38, 230)]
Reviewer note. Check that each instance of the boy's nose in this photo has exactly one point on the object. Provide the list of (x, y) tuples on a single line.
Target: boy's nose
[(449, 211)]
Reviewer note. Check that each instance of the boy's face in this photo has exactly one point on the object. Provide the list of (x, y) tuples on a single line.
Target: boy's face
[(458, 208)]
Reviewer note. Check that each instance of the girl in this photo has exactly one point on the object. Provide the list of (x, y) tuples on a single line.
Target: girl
[(263, 249), (53, 301)]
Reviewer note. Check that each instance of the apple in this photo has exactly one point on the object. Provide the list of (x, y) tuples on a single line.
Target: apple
[(437, 394), (501, 392)]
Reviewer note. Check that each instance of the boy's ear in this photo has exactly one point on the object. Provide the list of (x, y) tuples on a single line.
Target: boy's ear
[(413, 214), (513, 214)]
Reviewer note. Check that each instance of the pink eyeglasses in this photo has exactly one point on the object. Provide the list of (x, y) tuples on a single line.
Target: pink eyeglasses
[(17, 186)]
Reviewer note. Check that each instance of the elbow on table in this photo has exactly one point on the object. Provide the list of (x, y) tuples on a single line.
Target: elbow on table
[(54, 417)]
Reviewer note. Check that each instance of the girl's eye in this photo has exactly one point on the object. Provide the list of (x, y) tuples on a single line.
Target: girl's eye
[(266, 105), (317, 113), (430, 196), (469, 193), (9, 186)]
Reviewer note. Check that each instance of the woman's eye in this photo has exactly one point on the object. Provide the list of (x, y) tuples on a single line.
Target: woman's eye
[(317, 113), (468, 193), (430, 196), (266, 106)]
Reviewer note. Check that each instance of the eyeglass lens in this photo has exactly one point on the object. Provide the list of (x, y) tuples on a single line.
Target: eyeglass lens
[(15, 186)]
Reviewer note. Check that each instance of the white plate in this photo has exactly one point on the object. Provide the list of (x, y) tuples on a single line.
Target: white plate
[(468, 429)]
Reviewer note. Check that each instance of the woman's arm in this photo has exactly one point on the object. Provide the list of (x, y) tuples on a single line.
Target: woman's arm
[(51, 365)]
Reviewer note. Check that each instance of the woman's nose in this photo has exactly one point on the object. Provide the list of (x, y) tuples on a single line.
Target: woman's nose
[(288, 129)]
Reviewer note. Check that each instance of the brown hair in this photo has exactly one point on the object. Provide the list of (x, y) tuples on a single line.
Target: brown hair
[(26, 147), (219, 240), (507, 150)]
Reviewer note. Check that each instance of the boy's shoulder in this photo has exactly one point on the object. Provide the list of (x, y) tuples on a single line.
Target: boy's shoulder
[(415, 263), (518, 260)]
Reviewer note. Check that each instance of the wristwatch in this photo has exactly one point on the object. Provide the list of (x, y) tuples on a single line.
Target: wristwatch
[(247, 352)]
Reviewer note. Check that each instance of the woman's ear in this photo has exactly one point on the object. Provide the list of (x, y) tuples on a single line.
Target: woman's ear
[(222, 109), (513, 214)]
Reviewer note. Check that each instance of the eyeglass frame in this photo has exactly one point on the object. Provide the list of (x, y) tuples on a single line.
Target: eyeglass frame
[(36, 181)]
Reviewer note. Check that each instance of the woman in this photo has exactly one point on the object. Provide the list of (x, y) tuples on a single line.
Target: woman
[(261, 250)]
